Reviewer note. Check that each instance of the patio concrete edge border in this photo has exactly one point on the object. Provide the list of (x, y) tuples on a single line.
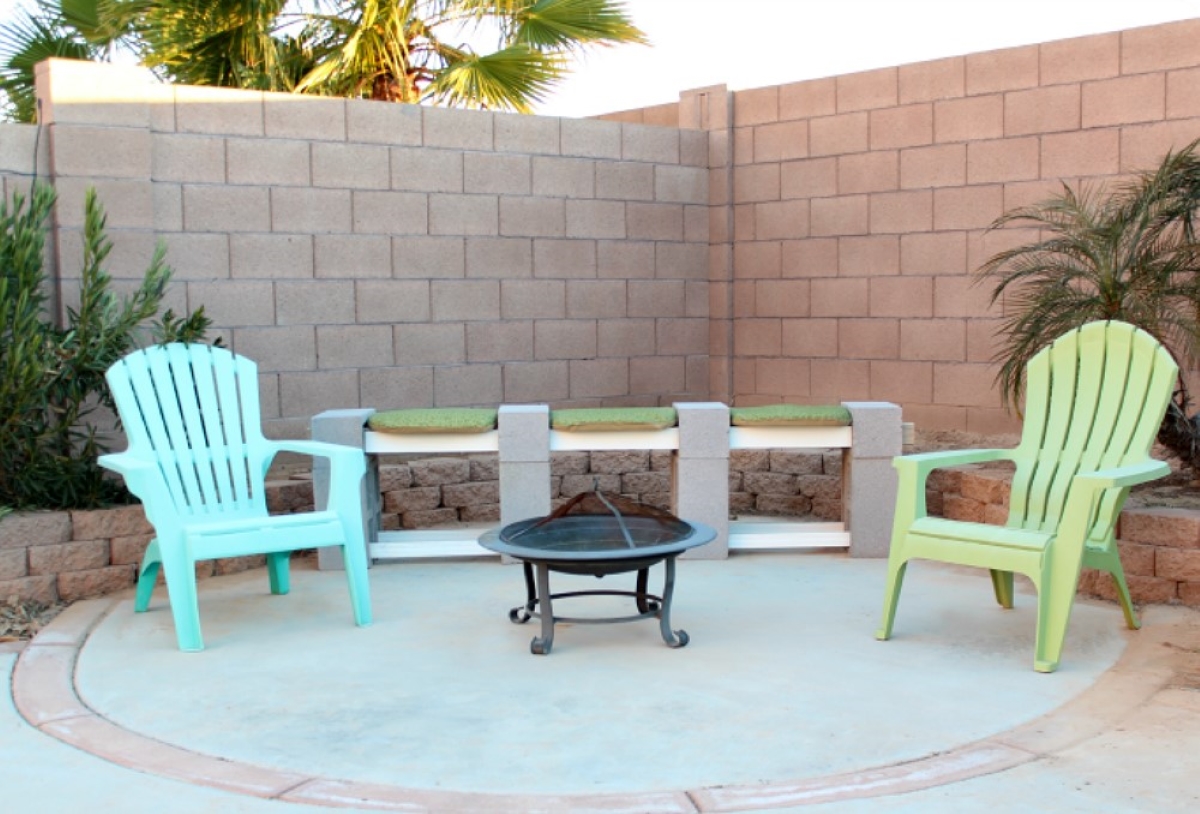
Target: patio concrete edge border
[(46, 696)]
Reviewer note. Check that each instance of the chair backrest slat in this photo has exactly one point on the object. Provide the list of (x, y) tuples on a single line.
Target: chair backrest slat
[(1095, 400), (194, 403)]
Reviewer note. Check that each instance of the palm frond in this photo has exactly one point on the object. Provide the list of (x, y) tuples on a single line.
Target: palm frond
[(571, 25), (513, 78)]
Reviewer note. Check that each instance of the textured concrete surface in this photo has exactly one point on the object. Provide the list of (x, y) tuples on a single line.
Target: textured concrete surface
[(782, 700)]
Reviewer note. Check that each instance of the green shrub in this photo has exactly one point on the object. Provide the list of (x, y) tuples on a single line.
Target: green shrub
[(52, 376)]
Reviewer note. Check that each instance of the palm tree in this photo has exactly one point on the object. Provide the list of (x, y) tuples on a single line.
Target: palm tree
[(1130, 255), (402, 50)]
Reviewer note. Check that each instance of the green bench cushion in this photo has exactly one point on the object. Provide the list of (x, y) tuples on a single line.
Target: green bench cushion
[(434, 420), (790, 415), (592, 419)]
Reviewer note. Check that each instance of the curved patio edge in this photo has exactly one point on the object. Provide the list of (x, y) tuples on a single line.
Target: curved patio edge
[(45, 695)]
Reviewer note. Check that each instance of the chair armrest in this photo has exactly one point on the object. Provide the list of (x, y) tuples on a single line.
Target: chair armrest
[(913, 471), (1123, 476), (347, 465), (143, 479), (922, 463)]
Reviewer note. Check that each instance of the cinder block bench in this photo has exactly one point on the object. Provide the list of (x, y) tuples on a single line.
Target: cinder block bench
[(700, 436)]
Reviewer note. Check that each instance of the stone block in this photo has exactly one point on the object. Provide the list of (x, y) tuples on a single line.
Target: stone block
[(396, 387), (236, 565), (323, 302), (783, 505), (392, 301), (487, 513), (596, 299), (106, 523), (770, 483), (13, 564), (594, 219), (42, 589), (796, 462), (467, 385), (271, 256), (463, 214), (126, 152), (564, 177), (640, 142), (618, 462), (1137, 559), (532, 217), (940, 166), (869, 501), (700, 494), (969, 119), (425, 344), (394, 476), (93, 93), (517, 133), (354, 346), (431, 518), (653, 376), (226, 209), (642, 483), (625, 259), (267, 162), (536, 381), (499, 341), (306, 393), (427, 170), (682, 337), (1090, 152), (197, 256), (498, 173), (99, 582), (361, 257), (843, 215), (458, 129), (25, 528), (463, 495), (390, 213), (1080, 59), (429, 257), (1002, 70), (485, 467), (310, 211), (599, 378), (591, 138), (279, 348), (573, 485), (218, 111), (1179, 564), (625, 180), (656, 298), (75, 556), (564, 259), (358, 166), (654, 221), (373, 122), (1170, 528), (311, 118), (1124, 100), (128, 202), (619, 337), (289, 496), (413, 500), (458, 300), (532, 299), (681, 184)]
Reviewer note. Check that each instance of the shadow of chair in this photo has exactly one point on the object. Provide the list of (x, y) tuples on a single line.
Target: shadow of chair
[(198, 461), (1095, 401)]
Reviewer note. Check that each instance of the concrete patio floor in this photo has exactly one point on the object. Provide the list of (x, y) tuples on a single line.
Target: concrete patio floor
[(783, 700)]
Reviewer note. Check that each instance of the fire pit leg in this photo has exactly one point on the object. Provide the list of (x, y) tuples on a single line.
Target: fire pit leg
[(521, 615), (540, 646), (645, 602), (673, 638)]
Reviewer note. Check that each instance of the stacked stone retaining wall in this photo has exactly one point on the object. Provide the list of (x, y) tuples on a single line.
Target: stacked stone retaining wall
[(69, 555)]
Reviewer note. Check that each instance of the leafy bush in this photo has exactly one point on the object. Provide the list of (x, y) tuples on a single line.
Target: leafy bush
[(52, 376)]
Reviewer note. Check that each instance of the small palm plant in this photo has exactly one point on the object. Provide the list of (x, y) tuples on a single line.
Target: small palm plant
[(1129, 255)]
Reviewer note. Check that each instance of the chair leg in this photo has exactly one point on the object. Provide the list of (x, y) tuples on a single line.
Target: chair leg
[(891, 597), (354, 557), (1002, 584), (1110, 562), (185, 604), (1054, 612), (278, 571), (147, 576)]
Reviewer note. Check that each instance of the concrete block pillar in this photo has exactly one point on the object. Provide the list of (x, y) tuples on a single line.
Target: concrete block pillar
[(345, 427), (700, 472), (868, 479), (524, 461)]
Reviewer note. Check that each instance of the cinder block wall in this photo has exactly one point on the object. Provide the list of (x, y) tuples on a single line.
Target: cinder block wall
[(367, 254), (855, 208)]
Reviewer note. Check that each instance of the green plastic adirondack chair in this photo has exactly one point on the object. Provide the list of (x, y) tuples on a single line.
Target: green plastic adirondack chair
[(1095, 400), (198, 460)]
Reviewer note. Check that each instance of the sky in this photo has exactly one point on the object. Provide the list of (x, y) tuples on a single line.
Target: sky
[(755, 43)]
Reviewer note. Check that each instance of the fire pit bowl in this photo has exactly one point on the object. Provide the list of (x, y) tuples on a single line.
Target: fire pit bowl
[(597, 535)]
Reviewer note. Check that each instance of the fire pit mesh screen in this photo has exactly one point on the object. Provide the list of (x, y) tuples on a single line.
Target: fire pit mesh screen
[(597, 515)]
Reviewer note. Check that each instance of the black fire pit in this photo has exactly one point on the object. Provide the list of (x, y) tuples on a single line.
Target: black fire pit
[(597, 535)]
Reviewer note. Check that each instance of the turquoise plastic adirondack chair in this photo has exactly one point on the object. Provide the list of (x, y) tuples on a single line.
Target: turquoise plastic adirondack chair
[(1095, 400), (198, 460)]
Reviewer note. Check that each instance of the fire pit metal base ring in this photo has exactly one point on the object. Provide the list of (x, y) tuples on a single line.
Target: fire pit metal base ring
[(649, 605), (595, 556)]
